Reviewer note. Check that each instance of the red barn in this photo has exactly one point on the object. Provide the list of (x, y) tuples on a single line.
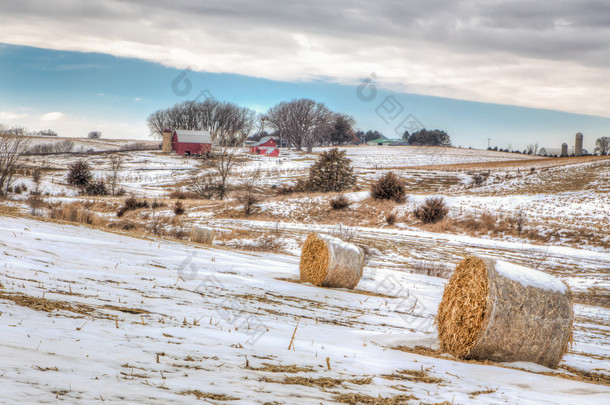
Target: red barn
[(266, 146), (191, 142)]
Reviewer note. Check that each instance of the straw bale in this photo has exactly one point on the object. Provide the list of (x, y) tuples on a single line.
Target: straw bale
[(330, 262), (203, 235), (493, 310)]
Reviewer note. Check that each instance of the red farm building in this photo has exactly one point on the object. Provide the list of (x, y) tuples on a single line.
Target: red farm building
[(266, 146), (190, 143)]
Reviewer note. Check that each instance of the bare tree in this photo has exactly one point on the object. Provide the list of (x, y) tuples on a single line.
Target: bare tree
[(65, 146), (12, 148), (228, 123), (248, 197), (204, 185), (116, 164), (602, 145), (224, 162), (303, 122)]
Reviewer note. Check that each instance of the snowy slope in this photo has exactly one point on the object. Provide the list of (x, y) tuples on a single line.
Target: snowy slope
[(151, 321)]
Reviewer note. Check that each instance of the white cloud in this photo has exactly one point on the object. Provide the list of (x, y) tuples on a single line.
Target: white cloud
[(550, 55), (10, 116), (52, 116), (137, 99)]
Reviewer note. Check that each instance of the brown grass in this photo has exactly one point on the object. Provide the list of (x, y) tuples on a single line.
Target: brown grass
[(282, 368), (44, 304), (75, 212), (358, 398), (322, 382), (207, 395), (413, 375)]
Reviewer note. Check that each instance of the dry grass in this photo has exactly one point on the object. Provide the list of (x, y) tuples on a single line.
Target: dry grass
[(433, 268), (474, 394), (44, 304), (322, 382), (206, 395), (282, 368), (75, 212), (357, 398), (413, 375)]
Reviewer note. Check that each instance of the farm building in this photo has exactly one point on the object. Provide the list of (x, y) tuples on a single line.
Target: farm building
[(188, 143), (266, 146)]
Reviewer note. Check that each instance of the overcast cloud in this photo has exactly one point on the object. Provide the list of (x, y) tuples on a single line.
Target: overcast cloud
[(546, 54)]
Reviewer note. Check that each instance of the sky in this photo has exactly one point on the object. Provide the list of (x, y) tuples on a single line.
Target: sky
[(515, 72)]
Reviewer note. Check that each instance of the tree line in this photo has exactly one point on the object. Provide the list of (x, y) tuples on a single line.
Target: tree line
[(301, 123)]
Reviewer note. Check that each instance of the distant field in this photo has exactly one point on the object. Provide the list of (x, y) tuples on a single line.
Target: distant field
[(524, 163)]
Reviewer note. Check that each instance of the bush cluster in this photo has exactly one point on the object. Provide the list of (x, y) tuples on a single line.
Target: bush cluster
[(130, 204), (389, 187), (432, 210), (340, 202)]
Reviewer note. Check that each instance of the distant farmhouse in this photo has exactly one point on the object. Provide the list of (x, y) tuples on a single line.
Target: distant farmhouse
[(266, 146), (187, 143)]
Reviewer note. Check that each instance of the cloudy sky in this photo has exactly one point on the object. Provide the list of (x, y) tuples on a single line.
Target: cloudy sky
[(468, 55)]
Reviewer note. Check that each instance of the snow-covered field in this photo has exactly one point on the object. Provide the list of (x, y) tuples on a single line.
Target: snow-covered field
[(89, 316)]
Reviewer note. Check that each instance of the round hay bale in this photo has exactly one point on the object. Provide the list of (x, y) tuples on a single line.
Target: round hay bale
[(200, 234), (330, 262), (493, 310)]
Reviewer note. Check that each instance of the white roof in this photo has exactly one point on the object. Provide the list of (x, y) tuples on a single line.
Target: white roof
[(193, 136), (262, 141)]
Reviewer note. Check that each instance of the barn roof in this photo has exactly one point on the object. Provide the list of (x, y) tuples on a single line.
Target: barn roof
[(193, 136), (262, 141)]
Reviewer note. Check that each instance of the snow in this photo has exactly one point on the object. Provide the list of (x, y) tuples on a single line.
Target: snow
[(333, 241), (530, 277), (206, 312)]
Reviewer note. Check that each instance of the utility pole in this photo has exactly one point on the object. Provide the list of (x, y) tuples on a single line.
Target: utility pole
[(488, 143)]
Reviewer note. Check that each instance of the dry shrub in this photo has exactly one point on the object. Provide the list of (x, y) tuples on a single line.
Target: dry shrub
[(340, 202), (497, 311), (301, 186), (96, 187), (248, 201), (434, 268), (75, 212), (131, 204), (389, 187), (179, 208), (124, 225), (432, 210), (184, 195), (344, 232), (390, 218), (35, 202)]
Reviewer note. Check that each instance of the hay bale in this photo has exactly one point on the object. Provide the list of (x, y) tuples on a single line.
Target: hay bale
[(202, 234), (330, 262), (493, 310)]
